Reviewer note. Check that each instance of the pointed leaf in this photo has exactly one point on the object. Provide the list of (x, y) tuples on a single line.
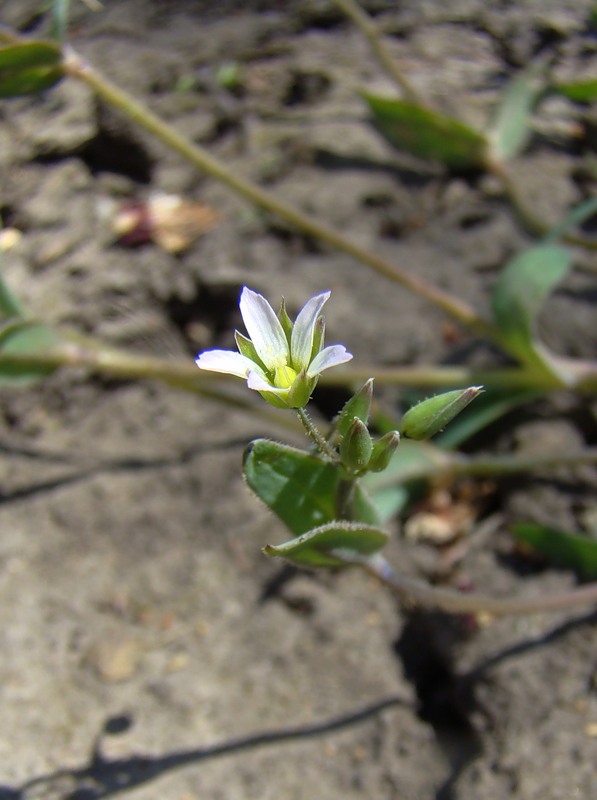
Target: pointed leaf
[(29, 80), (567, 549), (519, 293), (315, 548), (427, 134), (29, 54), (299, 487), (29, 67), (512, 123)]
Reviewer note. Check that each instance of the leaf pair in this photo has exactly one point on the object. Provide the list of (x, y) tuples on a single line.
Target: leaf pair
[(301, 489)]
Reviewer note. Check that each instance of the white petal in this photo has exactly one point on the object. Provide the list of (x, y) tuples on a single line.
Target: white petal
[(226, 361), (258, 382), (301, 342), (264, 329), (328, 357)]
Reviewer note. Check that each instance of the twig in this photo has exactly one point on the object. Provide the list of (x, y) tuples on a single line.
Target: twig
[(454, 465), (373, 36), (76, 67), (515, 378), (416, 593)]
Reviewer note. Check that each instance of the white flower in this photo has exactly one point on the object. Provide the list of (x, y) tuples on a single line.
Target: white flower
[(281, 360)]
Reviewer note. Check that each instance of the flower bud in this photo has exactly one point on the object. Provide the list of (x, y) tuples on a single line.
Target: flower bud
[(429, 417), (383, 450), (356, 446), (359, 406)]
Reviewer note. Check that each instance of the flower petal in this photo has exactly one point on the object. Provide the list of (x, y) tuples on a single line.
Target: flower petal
[(260, 384), (226, 361), (301, 341), (329, 357), (264, 329)]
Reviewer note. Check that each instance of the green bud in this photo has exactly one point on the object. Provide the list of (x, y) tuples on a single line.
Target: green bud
[(383, 450), (356, 446), (358, 406), (429, 417)]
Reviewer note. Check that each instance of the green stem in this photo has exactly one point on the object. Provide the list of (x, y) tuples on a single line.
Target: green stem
[(515, 378), (80, 351), (413, 592), (377, 45), (456, 465), (183, 374), (76, 67), (316, 437)]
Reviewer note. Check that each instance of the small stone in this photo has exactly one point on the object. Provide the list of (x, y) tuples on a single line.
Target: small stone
[(114, 659)]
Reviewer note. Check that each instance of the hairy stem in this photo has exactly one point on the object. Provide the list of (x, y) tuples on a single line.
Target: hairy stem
[(316, 437)]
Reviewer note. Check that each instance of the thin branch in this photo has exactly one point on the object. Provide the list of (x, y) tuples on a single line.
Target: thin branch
[(416, 593), (316, 437), (77, 68), (454, 465), (378, 47), (584, 372)]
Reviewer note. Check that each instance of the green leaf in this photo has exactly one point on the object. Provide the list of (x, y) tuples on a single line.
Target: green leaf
[(315, 548), (566, 549), (29, 54), (427, 134), (299, 487), (518, 296), (29, 67), (577, 91), (511, 126), (26, 339)]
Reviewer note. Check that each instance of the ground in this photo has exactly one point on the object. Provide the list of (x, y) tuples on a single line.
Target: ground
[(149, 648)]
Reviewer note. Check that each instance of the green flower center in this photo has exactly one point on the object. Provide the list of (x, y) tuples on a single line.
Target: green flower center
[(284, 377)]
